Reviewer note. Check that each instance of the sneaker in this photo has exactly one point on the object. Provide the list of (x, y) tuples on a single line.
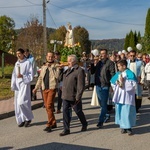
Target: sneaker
[(107, 118), (100, 125)]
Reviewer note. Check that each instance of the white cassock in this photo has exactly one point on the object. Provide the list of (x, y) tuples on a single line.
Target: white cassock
[(21, 87)]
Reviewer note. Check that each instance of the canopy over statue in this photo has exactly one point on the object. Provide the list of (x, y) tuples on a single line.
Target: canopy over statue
[(69, 39)]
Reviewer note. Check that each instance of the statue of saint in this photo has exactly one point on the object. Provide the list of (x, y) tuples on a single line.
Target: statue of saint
[(69, 39)]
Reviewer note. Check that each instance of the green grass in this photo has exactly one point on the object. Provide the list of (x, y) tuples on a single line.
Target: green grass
[(7, 70), (5, 91)]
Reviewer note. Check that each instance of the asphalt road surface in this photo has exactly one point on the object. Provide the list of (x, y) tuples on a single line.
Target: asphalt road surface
[(107, 138)]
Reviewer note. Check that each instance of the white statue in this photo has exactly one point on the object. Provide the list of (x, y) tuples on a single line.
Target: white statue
[(69, 40)]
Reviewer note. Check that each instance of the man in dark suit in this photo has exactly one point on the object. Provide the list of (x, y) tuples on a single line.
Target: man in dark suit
[(72, 90)]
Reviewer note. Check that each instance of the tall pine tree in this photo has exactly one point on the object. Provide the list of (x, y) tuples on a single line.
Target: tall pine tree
[(146, 38)]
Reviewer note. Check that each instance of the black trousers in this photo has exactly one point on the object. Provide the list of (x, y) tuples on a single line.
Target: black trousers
[(59, 103), (33, 96), (138, 103), (66, 113)]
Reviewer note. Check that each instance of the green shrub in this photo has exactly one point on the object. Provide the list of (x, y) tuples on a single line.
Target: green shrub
[(66, 51)]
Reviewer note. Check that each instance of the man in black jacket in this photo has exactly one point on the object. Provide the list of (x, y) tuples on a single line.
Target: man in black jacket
[(104, 70), (72, 90)]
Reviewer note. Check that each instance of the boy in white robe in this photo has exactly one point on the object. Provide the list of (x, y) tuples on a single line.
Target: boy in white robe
[(21, 77), (123, 84)]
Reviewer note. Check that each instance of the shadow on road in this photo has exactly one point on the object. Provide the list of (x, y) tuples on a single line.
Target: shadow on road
[(62, 146)]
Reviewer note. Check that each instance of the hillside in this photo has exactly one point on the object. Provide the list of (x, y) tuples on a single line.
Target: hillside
[(110, 44)]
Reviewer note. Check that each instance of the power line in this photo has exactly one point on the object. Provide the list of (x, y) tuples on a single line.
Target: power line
[(21, 6), (51, 17), (31, 2), (118, 22)]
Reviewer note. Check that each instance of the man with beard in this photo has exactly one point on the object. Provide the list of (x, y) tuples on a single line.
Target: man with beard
[(48, 80)]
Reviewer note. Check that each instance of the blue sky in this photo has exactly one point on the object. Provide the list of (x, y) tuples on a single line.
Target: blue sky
[(104, 19)]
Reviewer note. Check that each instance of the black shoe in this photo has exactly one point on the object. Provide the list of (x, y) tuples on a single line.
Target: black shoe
[(129, 131), (54, 126), (27, 123), (48, 129), (100, 125), (84, 128), (33, 97), (65, 133), (123, 131), (21, 125)]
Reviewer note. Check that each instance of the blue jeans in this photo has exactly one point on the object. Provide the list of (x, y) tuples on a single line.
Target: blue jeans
[(102, 93)]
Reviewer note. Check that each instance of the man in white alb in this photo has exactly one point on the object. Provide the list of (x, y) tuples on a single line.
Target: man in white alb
[(21, 77)]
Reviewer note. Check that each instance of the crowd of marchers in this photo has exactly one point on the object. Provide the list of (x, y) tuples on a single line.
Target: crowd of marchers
[(124, 76)]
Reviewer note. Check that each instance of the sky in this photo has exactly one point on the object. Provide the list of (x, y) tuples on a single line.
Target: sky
[(103, 19)]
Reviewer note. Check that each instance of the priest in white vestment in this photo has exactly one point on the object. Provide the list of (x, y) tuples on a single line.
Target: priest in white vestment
[(124, 85), (21, 77)]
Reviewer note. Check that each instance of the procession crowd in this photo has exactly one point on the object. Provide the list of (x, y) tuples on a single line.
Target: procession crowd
[(118, 80)]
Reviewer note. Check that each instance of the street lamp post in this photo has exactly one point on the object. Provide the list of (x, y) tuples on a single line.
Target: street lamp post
[(55, 42)]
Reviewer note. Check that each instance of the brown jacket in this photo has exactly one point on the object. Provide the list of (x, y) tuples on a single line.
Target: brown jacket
[(53, 77), (73, 84)]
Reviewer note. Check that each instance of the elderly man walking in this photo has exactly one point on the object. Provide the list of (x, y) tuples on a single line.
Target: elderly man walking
[(72, 90)]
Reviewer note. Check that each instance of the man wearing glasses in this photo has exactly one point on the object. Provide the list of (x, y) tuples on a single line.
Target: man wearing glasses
[(137, 67)]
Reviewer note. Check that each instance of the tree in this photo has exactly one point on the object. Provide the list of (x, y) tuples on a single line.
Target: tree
[(126, 43), (135, 38), (58, 35), (7, 32), (139, 37), (132, 39), (147, 23), (81, 36), (146, 38), (31, 37)]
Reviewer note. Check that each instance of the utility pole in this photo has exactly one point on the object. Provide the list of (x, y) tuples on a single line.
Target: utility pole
[(44, 30)]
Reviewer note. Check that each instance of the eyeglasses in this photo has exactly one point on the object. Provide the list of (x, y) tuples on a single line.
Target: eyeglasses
[(139, 57)]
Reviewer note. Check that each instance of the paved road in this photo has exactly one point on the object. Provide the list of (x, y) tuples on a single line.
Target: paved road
[(108, 138)]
